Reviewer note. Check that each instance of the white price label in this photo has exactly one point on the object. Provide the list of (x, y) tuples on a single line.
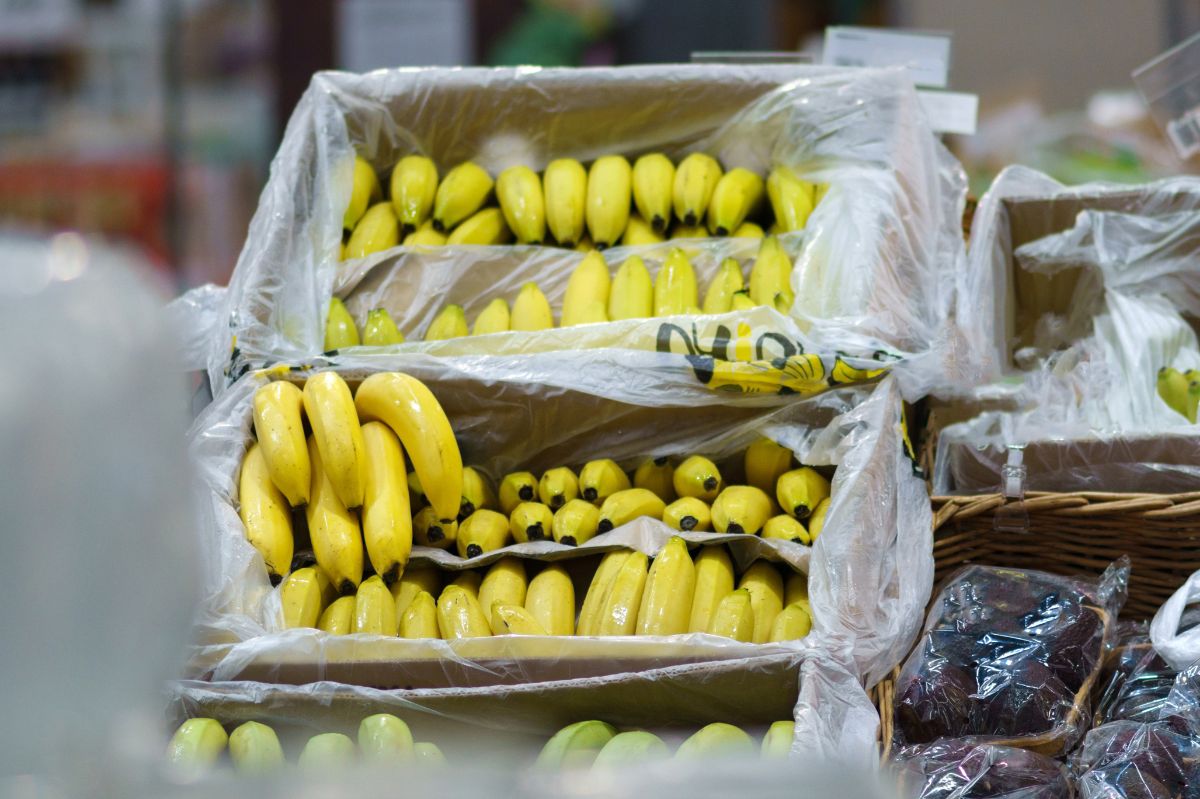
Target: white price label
[(950, 112), (925, 55)]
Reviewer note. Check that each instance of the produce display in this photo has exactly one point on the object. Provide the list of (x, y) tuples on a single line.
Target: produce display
[(1180, 390), (957, 769), (1128, 760)]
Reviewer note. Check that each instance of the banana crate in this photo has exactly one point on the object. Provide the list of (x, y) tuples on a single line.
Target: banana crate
[(866, 571)]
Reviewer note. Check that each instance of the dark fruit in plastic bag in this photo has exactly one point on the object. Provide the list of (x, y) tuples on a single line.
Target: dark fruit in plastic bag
[(1076, 647), (936, 704), (958, 769), (1024, 699)]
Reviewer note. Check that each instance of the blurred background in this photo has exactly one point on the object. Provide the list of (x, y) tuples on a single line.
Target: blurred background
[(153, 122)]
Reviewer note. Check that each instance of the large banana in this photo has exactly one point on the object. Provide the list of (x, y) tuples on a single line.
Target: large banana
[(777, 743), (565, 187), (717, 740), (519, 191), (381, 330), (414, 185), (575, 746), (714, 582), (631, 295), (462, 192), (414, 580), (734, 617), (377, 231), (338, 618), (638, 233), (515, 488), (786, 528), (725, 283), (695, 180), (765, 585), (420, 619), (698, 477), (741, 509), (477, 493), (598, 589), (558, 487), (598, 480), (469, 581), (495, 318), (334, 530), (689, 515), (374, 608), (304, 595), (450, 323), (576, 522), (589, 284), (265, 514), (796, 589), (504, 583), (386, 517), (483, 227), (383, 738), (254, 749), (430, 531), (407, 406), (765, 463), (736, 196), (675, 286), (425, 236), (670, 587), (628, 749), (514, 620), (688, 232), (531, 309), (1172, 387), (792, 199), (483, 531), (816, 520), (338, 435), (742, 301), (653, 188), (656, 475), (625, 506), (771, 273), (195, 747), (801, 490), (428, 755), (792, 624), (459, 615), (551, 600), (364, 190), (619, 614), (531, 521), (748, 230), (608, 199), (327, 752), (339, 327)]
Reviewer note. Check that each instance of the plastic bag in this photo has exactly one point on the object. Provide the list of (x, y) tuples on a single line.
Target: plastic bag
[(1137, 680), (1124, 760), (1178, 644), (1010, 656), (957, 769)]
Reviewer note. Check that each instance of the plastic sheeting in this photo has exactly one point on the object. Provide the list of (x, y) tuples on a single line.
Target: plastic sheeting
[(956, 769)]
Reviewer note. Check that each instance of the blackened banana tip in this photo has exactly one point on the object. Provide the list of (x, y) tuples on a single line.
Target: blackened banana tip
[(660, 461), (722, 231), (658, 223), (526, 493), (688, 523), (569, 540), (474, 550), (392, 574), (435, 534), (438, 226), (735, 528), (710, 484), (535, 532), (347, 587), (557, 501), (801, 511), (276, 579), (605, 525), (590, 494)]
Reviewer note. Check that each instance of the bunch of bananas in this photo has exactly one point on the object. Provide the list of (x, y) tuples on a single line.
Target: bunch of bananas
[(1180, 390), (598, 745), (609, 203)]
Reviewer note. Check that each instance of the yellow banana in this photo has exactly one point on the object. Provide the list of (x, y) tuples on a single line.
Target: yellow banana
[(420, 618), (469, 581), (386, 517), (714, 582), (254, 749), (428, 756), (340, 331), (748, 230), (639, 233), (628, 749), (425, 236), (792, 199), (482, 531), (608, 199), (675, 286), (618, 615), (715, 741), (698, 477), (430, 531), (734, 617), (327, 752), (462, 192), (625, 506), (413, 187), (598, 480), (407, 406), (514, 620), (195, 747), (459, 615), (765, 463), (585, 244), (531, 309), (589, 284), (483, 228), (777, 743), (335, 428), (516, 488), (695, 180), (381, 330), (1172, 387), (688, 232), (334, 530), (741, 509), (364, 191), (551, 600), (792, 624), (843, 372), (816, 520), (598, 590), (558, 487), (727, 281), (575, 746), (653, 189), (338, 618), (565, 187), (796, 589), (631, 295), (265, 514), (519, 191), (378, 230), (819, 192), (576, 522), (688, 514), (492, 319), (505, 583), (656, 475), (670, 587), (786, 528), (736, 196), (742, 301), (800, 491), (783, 301), (303, 596), (415, 492), (771, 273), (414, 580), (374, 608), (531, 521), (477, 493), (383, 738), (765, 585)]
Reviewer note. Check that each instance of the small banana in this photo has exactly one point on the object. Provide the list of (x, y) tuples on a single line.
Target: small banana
[(558, 487), (265, 514), (717, 740), (413, 187), (477, 493), (689, 515), (736, 196), (714, 582), (796, 589), (783, 301), (430, 531), (597, 593), (484, 227), (531, 521), (428, 755), (765, 463), (575, 746), (670, 587), (816, 520), (364, 191), (420, 618), (505, 583), (675, 286), (771, 273), (551, 600), (381, 330), (585, 244), (469, 581), (639, 233), (414, 580), (1172, 387), (254, 749), (695, 180), (425, 236), (608, 199), (334, 530), (378, 230), (340, 331), (516, 488), (688, 232), (338, 435), (741, 509), (386, 517), (742, 301), (483, 531), (327, 752), (598, 480), (514, 620), (765, 585), (619, 613), (631, 295), (519, 191), (792, 199), (800, 491), (786, 528), (576, 522), (565, 187), (792, 624), (625, 506), (725, 283), (698, 477), (338, 618), (653, 189), (195, 747), (462, 192), (777, 743), (656, 475), (494, 318), (628, 749), (734, 617), (374, 608), (383, 738), (459, 615), (748, 230), (531, 309), (303, 595), (589, 284)]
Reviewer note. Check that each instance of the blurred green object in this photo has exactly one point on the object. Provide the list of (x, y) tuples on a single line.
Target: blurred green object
[(545, 35)]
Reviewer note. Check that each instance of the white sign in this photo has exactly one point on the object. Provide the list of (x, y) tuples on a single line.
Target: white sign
[(375, 34), (925, 55), (950, 112)]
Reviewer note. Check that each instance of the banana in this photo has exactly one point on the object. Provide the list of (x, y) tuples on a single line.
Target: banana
[(792, 624), (631, 295), (482, 531), (1172, 387), (689, 515), (675, 286), (771, 273), (425, 236), (428, 755), (816, 521), (338, 435), (727, 281), (516, 488), (364, 191), (334, 530), (656, 475), (576, 522), (734, 617), (420, 618), (565, 187), (575, 746), (407, 406), (714, 582), (800, 491), (585, 244), (608, 199), (653, 189), (340, 331), (531, 309), (303, 595), (477, 493), (796, 589), (413, 187), (381, 330), (374, 608), (551, 600), (639, 233), (765, 463), (625, 506), (748, 230), (1193, 393), (504, 583), (630, 749), (254, 749), (485, 227), (386, 517), (450, 323), (558, 487), (698, 477), (765, 585), (459, 615), (514, 620), (383, 738), (597, 593), (695, 180), (531, 521), (594, 312), (469, 581), (619, 613), (783, 301), (338, 618), (717, 740), (742, 301), (589, 284), (688, 232), (670, 587), (792, 199), (462, 192), (430, 531), (598, 480), (519, 191), (195, 747), (819, 192), (777, 743), (843, 372), (378, 230), (414, 580), (736, 196), (327, 752), (741, 509), (492, 319), (265, 514), (786, 528)]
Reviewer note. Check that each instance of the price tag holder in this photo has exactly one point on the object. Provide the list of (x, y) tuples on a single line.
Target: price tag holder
[(1170, 85), (926, 55)]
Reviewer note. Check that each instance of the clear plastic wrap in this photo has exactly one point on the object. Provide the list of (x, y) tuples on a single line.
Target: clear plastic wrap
[(1136, 680), (1010, 656), (957, 769), (1127, 760)]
